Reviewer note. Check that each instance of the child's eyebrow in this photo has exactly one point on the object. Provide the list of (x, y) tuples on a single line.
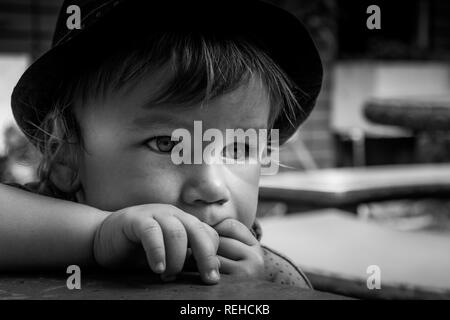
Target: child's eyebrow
[(161, 120), (157, 120), (152, 120)]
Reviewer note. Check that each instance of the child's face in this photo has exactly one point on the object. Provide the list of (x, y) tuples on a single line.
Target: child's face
[(122, 168)]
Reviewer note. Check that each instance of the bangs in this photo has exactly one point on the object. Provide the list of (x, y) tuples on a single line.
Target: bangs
[(200, 67)]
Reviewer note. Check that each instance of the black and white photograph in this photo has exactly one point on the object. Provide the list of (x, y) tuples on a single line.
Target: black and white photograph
[(224, 155)]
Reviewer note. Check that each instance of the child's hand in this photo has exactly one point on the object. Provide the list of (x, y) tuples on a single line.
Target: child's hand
[(164, 231), (239, 251)]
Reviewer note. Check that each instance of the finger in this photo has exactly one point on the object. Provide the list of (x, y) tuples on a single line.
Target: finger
[(189, 263), (241, 269), (175, 243), (232, 228), (203, 249), (228, 266), (232, 249), (214, 236), (150, 234)]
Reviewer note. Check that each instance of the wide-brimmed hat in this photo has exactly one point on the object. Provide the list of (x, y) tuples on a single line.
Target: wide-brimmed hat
[(282, 35)]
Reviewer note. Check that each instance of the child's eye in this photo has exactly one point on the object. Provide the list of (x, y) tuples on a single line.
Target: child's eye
[(236, 151), (162, 144)]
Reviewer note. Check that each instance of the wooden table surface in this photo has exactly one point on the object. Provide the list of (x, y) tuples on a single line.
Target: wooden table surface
[(101, 285)]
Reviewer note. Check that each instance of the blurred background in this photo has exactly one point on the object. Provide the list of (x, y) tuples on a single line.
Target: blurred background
[(375, 150)]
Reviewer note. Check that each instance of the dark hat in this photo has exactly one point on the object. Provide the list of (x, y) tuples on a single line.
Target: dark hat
[(283, 37)]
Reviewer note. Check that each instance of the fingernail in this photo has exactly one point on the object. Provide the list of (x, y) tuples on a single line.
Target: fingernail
[(213, 275), (159, 268)]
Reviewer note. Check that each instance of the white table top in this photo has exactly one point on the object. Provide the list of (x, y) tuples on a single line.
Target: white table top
[(338, 245), (344, 184)]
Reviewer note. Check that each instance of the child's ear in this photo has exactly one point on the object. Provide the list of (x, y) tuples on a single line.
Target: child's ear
[(65, 177)]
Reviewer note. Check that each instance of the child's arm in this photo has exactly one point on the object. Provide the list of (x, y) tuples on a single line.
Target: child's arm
[(38, 231), (42, 232)]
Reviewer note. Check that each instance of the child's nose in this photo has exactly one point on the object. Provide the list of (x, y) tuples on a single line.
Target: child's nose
[(205, 185)]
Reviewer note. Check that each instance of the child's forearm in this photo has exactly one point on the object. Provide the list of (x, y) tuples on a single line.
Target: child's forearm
[(42, 232)]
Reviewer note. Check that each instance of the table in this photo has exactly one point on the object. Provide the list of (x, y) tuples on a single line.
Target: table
[(421, 113), (108, 285), (428, 117), (344, 186), (335, 248)]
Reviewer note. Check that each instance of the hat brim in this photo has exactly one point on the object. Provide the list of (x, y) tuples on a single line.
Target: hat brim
[(283, 36)]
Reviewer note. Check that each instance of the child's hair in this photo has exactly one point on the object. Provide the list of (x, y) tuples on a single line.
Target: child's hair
[(202, 66)]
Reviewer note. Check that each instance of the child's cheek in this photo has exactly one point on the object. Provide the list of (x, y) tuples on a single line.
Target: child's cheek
[(247, 174), (157, 183), (244, 186)]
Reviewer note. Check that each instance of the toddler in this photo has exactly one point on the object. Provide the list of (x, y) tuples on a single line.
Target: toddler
[(101, 107)]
